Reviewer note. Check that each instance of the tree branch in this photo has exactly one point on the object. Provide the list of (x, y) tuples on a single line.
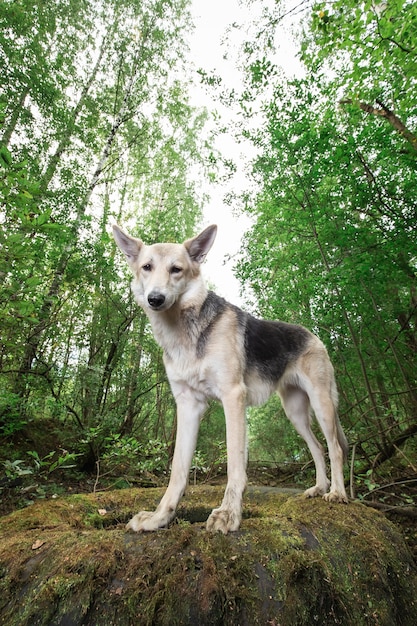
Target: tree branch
[(387, 114)]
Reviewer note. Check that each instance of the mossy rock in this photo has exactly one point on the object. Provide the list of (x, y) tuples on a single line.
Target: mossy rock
[(294, 562)]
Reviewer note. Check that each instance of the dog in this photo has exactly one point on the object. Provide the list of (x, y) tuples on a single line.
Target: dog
[(213, 349)]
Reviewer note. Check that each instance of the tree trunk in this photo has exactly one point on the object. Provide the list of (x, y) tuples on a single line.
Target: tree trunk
[(65, 139), (14, 118)]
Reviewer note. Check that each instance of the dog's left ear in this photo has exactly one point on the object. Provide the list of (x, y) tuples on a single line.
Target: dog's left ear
[(199, 246)]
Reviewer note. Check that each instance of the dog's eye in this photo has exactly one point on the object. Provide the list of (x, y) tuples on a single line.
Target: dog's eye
[(147, 267), (176, 270)]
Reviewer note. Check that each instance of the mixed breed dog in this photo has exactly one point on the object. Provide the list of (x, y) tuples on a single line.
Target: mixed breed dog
[(213, 349)]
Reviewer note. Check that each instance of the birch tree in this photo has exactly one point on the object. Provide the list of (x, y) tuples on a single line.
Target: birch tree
[(117, 139)]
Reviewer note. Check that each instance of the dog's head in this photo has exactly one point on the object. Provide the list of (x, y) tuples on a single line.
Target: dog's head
[(165, 273)]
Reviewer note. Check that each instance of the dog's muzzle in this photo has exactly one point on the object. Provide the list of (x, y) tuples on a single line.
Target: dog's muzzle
[(156, 300)]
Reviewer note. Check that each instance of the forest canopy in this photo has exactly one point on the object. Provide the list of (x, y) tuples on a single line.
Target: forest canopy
[(97, 125), (333, 245)]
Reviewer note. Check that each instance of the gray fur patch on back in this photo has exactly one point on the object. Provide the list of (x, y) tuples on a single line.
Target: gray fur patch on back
[(198, 326), (269, 345), (213, 307)]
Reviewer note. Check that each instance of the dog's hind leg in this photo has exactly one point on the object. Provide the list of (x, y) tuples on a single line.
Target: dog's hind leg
[(326, 414), (228, 516), (189, 412), (296, 405)]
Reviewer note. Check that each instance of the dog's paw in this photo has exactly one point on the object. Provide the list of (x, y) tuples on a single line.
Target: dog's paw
[(336, 496), (317, 490), (145, 521), (223, 520)]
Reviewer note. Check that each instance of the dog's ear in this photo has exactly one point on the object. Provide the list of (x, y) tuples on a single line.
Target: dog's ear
[(130, 246), (199, 246)]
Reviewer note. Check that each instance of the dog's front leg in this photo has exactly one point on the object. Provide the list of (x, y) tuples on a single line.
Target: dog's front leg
[(228, 516), (189, 411)]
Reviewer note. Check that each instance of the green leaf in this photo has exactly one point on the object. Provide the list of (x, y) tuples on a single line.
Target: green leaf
[(5, 157)]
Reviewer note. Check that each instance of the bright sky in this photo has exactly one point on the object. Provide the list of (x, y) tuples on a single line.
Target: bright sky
[(211, 20)]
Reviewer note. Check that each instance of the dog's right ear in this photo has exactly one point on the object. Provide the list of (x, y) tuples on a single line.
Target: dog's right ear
[(130, 246)]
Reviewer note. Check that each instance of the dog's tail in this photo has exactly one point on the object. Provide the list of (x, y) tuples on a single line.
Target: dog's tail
[(341, 437)]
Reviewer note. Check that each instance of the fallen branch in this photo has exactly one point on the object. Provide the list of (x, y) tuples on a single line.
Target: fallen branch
[(405, 511)]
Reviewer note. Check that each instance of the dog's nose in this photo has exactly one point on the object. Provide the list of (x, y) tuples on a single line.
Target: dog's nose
[(156, 300)]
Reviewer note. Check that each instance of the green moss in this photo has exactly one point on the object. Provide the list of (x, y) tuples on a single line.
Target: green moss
[(294, 561)]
